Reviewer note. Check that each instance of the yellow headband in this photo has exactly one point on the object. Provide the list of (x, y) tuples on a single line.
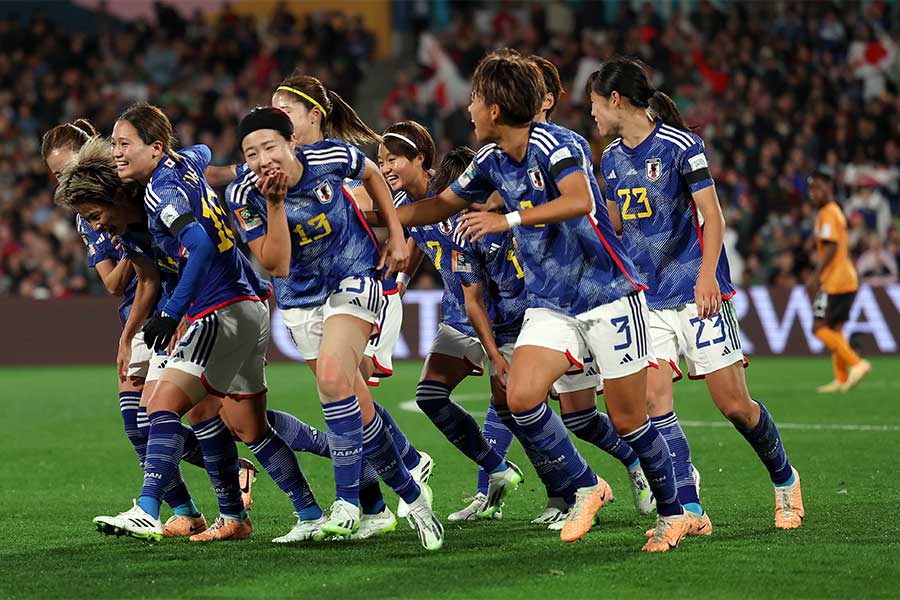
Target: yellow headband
[(288, 88)]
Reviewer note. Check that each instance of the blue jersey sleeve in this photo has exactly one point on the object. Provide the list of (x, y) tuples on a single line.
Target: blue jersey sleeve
[(200, 156), (357, 165), (248, 207), (473, 185), (694, 166), (169, 204), (99, 246)]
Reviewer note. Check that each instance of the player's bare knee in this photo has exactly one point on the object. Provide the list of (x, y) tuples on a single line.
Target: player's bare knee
[(520, 398), (331, 380)]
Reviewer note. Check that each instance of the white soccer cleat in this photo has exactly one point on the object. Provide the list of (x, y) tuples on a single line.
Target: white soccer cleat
[(375, 525), (557, 511), (470, 512), (421, 473), (644, 501), (304, 531), (343, 520), (500, 484), (133, 522), (424, 521)]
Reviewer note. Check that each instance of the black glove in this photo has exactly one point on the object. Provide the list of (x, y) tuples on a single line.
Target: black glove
[(158, 330)]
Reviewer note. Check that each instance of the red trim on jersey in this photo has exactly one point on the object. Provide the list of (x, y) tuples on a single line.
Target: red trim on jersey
[(222, 305), (390, 292), (574, 362), (361, 217), (373, 382), (385, 372), (652, 364), (745, 362), (697, 224), (614, 256), (678, 374), (729, 296)]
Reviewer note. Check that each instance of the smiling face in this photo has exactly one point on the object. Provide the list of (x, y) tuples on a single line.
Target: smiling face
[(267, 152), (399, 171), (605, 112), (109, 218), (134, 159), (484, 119), (58, 159)]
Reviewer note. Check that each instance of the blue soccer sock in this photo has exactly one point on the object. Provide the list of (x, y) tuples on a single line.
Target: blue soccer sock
[(165, 445), (193, 454), (553, 478), (498, 436), (545, 432), (300, 436), (281, 464), (380, 450), (457, 425), (408, 452), (594, 427), (220, 459), (176, 494), (371, 502), (766, 441), (668, 426), (651, 447), (129, 404), (344, 422)]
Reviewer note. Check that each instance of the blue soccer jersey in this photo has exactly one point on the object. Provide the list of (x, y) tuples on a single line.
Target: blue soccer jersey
[(330, 239), (495, 261), (100, 248), (448, 256), (177, 195), (572, 266), (651, 185)]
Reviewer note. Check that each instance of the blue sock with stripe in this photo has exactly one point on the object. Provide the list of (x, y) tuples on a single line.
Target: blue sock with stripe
[(653, 451), (176, 494), (498, 436), (669, 427), (129, 404), (546, 433), (300, 436), (457, 425), (594, 427), (165, 446), (281, 464), (766, 441), (408, 453), (344, 425), (220, 458), (381, 452)]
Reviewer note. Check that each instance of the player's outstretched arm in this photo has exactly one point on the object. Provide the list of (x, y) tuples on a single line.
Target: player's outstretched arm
[(477, 313), (220, 176), (431, 210)]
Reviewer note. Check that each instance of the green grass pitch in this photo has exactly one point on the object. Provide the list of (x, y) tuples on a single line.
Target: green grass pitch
[(64, 459)]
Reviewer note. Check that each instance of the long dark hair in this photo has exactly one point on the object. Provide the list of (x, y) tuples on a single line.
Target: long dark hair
[(339, 120), (452, 166), (628, 77), (152, 125)]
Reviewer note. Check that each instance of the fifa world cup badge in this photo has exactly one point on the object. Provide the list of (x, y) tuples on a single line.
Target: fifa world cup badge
[(654, 168)]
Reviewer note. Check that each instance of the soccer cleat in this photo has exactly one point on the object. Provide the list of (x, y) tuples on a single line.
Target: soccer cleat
[(669, 531), (582, 515), (422, 518), (470, 512), (556, 512), (789, 511), (224, 529), (304, 531), (831, 388), (181, 526), (697, 525), (499, 484), (343, 520), (421, 473), (246, 477), (374, 525), (133, 522), (644, 501), (855, 375)]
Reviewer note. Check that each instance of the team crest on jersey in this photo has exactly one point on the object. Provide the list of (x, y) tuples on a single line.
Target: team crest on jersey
[(537, 180), (446, 227), (654, 168), (324, 192)]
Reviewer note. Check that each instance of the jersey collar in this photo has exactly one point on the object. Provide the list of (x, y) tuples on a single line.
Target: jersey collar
[(645, 143)]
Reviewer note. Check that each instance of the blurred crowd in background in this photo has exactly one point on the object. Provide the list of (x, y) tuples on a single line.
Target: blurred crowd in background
[(775, 89)]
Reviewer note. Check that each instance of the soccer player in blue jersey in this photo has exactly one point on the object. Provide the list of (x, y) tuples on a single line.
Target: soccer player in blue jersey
[(137, 368), (305, 228), (222, 351), (405, 156), (496, 269), (662, 198), (581, 286)]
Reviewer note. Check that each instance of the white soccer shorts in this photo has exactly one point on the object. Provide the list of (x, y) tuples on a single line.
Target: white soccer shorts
[(140, 357), (452, 342), (575, 380), (381, 347)]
